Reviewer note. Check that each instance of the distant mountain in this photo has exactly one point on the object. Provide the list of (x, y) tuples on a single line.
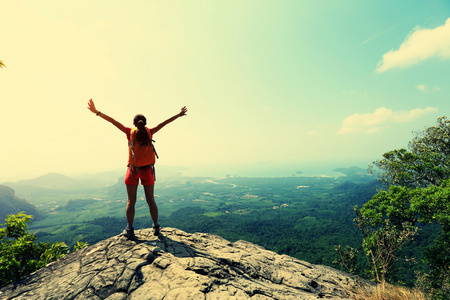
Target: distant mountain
[(56, 181), (11, 204), (355, 174), (57, 187), (48, 181)]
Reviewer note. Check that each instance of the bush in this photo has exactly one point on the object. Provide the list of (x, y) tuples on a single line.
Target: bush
[(20, 255)]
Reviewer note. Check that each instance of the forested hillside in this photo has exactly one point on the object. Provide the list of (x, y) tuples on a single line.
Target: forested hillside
[(11, 204)]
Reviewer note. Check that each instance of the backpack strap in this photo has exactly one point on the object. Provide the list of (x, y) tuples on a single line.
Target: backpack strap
[(151, 143), (154, 150)]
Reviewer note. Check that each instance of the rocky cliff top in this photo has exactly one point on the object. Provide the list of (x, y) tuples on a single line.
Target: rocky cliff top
[(179, 265)]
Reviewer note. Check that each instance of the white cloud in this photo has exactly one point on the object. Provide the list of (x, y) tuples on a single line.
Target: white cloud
[(380, 119), (421, 87), (419, 45), (426, 88)]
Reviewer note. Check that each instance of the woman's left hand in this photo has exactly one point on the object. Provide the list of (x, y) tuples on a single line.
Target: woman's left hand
[(91, 106)]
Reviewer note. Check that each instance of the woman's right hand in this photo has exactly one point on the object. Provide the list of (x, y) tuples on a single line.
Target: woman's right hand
[(183, 111)]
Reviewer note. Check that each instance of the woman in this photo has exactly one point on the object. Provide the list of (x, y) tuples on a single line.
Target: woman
[(141, 158)]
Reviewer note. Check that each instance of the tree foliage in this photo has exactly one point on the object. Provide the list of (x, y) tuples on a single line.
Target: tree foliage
[(418, 182), (348, 258), (381, 244), (20, 255), (425, 162)]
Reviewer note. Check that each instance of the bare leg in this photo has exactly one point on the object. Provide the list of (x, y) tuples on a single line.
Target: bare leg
[(149, 195), (132, 192)]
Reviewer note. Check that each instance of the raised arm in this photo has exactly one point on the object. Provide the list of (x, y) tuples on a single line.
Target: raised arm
[(91, 107), (180, 114)]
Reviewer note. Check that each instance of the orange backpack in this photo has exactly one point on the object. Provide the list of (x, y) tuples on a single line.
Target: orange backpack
[(139, 156)]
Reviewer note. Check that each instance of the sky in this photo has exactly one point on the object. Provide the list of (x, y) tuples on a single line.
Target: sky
[(272, 87)]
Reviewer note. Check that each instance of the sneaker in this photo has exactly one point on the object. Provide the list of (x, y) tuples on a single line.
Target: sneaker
[(156, 229), (129, 233)]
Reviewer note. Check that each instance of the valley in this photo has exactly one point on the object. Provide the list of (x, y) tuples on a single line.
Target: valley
[(304, 217), (73, 210)]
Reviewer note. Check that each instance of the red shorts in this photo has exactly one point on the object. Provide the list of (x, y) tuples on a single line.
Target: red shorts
[(145, 174)]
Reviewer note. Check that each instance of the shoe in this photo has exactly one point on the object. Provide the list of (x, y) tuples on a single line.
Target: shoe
[(156, 229), (129, 233)]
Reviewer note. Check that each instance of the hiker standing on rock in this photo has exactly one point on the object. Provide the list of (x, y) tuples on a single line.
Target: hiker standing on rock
[(141, 160)]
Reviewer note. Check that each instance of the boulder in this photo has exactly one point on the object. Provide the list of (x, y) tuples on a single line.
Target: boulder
[(180, 265)]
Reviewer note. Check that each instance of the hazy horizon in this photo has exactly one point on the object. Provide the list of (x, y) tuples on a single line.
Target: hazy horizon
[(277, 83), (255, 170)]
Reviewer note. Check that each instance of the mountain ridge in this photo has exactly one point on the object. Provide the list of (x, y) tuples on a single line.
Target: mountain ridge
[(11, 204), (179, 265), (50, 180)]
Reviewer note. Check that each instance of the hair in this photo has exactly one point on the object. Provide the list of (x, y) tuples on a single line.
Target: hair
[(141, 134)]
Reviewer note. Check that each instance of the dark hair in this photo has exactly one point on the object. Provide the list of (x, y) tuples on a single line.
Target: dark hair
[(141, 134)]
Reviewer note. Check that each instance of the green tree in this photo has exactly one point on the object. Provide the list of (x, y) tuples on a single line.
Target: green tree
[(418, 190), (348, 258), (425, 162), (387, 223), (382, 239), (19, 254), (432, 205)]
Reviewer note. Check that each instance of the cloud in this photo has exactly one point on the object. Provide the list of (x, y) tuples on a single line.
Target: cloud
[(376, 35), (426, 88), (421, 87), (419, 45), (380, 119)]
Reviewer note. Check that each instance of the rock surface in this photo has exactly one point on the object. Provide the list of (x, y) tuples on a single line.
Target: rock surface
[(179, 265)]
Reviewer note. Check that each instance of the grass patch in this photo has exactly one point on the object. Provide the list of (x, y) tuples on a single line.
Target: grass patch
[(389, 292), (213, 214)]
